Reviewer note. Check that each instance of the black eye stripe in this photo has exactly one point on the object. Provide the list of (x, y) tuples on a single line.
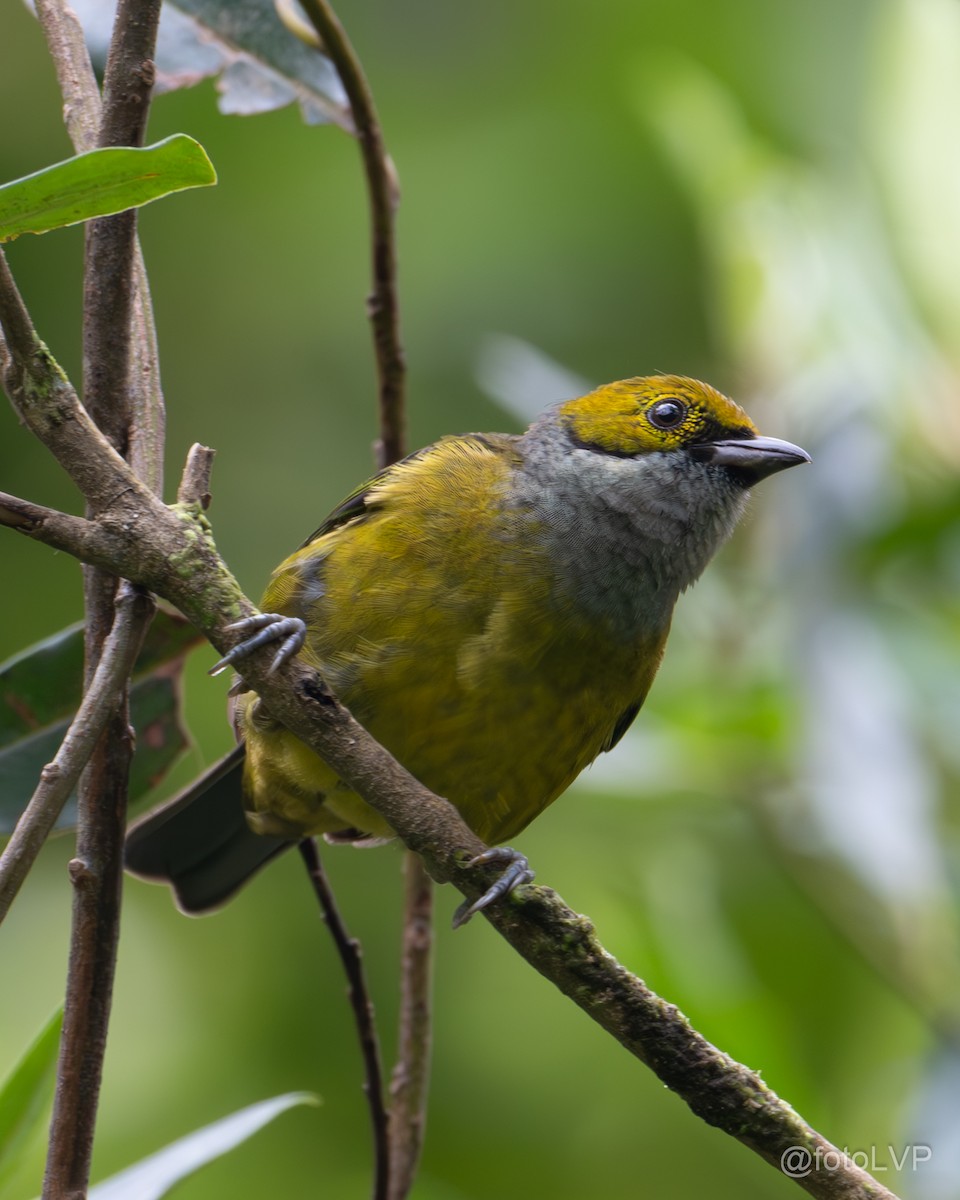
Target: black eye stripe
[(667, 414)]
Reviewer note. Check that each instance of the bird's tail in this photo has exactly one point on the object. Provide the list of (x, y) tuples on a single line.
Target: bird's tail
[(199, 843)]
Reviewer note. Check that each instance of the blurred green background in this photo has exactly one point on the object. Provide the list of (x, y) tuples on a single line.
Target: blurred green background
[(763, 195)]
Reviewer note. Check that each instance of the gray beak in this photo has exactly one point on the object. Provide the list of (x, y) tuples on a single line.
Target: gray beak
[(750, 459)]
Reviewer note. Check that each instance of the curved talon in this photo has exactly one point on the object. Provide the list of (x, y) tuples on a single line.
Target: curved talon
[(517, 872), (265, 628)]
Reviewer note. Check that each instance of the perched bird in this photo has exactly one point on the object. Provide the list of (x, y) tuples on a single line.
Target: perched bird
[(493, 610)]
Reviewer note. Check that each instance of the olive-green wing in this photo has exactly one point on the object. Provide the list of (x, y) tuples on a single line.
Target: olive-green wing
[(358, 502)]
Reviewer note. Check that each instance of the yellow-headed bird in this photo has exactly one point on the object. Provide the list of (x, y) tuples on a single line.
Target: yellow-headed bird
[(493, 609)]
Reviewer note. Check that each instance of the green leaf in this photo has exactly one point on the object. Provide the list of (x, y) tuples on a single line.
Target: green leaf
[(26, 1093), (40, 691), (101, 182), (259, 65), (153, 1177), (273, 67)]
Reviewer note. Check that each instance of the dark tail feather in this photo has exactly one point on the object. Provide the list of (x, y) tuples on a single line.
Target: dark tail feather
[(200, 843)]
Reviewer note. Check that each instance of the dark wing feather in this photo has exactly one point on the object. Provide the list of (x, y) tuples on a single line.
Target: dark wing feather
[(357, 503), (624, 721)]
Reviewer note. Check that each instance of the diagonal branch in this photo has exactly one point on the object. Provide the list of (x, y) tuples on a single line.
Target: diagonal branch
[(48, 405), (59, 777), (85, 540)]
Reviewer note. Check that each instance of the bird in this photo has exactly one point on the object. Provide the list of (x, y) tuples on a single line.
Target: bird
[(492, 608)]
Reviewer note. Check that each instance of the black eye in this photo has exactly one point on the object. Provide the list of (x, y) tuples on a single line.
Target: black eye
[(667, 414)]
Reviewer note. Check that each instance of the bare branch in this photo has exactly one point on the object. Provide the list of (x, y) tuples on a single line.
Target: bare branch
[(59, 777), (410, 1080), (195, 481), (71, 61), (352, 959), (20, 341), (82, 112), (95, 872), (21, 514), (111, 241), (97, 869), (148, 412), (86, 540), (382, 306), (47, 403), (562, 945)]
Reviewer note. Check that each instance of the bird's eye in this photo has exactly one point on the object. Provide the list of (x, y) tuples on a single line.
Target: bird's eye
[(667, 414)]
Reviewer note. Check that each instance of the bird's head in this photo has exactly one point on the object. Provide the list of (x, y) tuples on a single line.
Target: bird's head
[(638, 483), (669, 413)]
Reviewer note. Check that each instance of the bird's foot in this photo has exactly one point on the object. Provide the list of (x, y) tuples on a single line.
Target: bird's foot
[(265, 628), (516, 872)]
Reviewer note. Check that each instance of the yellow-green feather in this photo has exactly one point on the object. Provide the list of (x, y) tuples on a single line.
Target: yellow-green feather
[(440, 627)]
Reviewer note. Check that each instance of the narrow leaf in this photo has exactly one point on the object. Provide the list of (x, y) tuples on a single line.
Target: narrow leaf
[(101, 182), (26, 1093), (153, 1177)]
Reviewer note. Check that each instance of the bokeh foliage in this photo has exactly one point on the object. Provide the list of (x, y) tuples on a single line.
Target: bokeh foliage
[(762, 195)]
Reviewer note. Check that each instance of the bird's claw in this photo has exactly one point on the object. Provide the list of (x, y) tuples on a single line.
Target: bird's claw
[(516, 873), (265, 628)]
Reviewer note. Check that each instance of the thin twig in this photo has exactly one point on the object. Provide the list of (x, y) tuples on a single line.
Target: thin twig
[(195, 480), (60, 531), (20, 341), (21, 514), (410, 1080), (350, 956), (59, 777), (149, 430), (382, 188)]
